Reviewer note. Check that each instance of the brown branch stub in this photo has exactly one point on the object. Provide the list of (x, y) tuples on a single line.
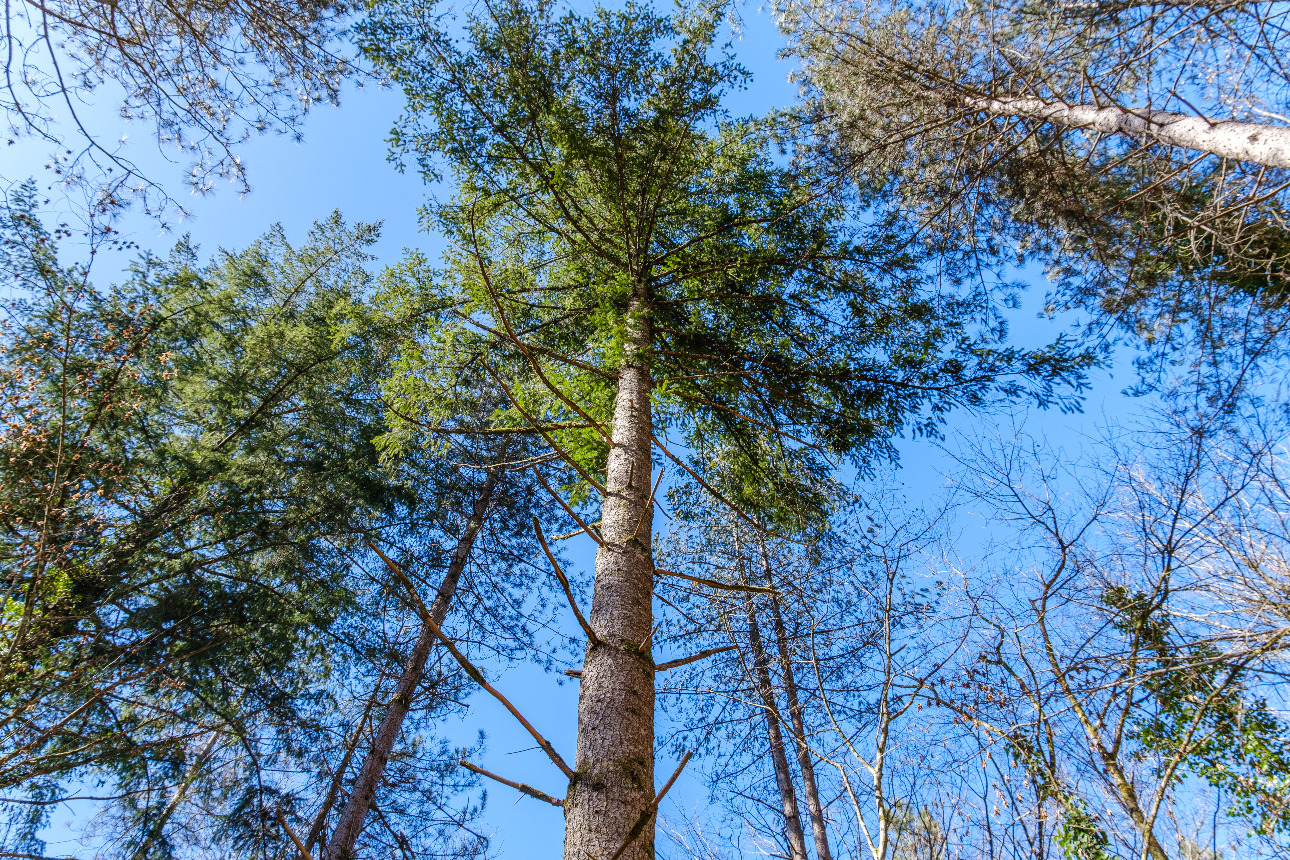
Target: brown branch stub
[(564, 583), (518, 786), (648, 812), (693, 658), (713, 583)]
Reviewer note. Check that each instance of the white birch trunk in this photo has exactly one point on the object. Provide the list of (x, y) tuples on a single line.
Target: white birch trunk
[(1268, 145)]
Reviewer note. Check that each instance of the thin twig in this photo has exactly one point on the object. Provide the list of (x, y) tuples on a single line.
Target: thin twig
[(649, 504), (574, 533), (518, 786), (567, 509)]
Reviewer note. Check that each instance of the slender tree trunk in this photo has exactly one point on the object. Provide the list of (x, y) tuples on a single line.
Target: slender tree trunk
[(1256, 143), (814, 809), (372, 771), (779, 760), (181, 790), (613, 786)]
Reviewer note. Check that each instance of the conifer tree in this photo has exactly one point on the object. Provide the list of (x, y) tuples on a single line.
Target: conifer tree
[(191, 490), (628, 263)]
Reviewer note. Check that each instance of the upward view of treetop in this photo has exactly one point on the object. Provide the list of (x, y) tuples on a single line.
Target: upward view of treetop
[(627, 262), (713, 455)]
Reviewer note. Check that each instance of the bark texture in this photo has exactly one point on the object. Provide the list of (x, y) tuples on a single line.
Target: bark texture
[(779, 759), (1256, 143), (613, 785), (372, 771)]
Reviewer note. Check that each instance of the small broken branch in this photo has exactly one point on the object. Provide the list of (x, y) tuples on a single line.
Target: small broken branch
[(646, 814), (712, 583), (693, 658), (518, 786), (649, 504), (574, 533), (470, 669), (564, 583)]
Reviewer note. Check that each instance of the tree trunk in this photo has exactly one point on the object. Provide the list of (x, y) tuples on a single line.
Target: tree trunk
[(1256, 143), (613, 786), (814, 809), (181, 790), (363, 791), (779, 760)]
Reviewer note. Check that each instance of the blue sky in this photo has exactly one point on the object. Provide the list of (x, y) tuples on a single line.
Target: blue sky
[(341, 164)]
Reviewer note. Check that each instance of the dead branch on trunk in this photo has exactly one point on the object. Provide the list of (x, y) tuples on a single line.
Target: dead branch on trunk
[(649, 811), (518, 786), (693, 658), (564, 583)]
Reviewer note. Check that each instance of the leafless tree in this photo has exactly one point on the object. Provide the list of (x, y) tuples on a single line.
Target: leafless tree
[(1131, 651), (205, 74)]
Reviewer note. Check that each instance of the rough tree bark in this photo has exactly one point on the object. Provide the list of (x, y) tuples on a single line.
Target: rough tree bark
[(779, 760), (1241, 141), (372, 771), (814, 809), (613, 786)]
